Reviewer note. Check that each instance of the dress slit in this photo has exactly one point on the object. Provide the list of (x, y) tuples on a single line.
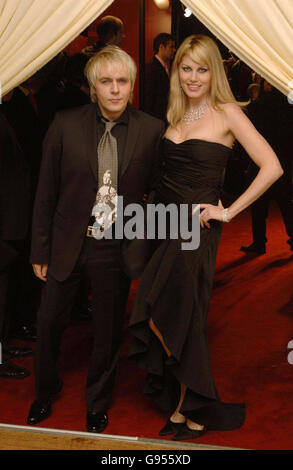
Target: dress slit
[(158, 334)]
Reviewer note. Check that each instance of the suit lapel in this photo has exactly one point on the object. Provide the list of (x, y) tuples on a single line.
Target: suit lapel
[(90, 128), (132, 136)]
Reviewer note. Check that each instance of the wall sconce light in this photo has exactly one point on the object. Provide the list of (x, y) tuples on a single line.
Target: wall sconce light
[(187, 12), (162, 4)]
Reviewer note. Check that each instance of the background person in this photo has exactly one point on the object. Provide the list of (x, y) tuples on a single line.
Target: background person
[(157, 81), (110, 31), (270, 114), (14, 223)]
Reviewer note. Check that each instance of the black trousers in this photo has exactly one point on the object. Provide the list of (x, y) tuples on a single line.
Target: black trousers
[(8, 255), (24, 290), (281, 193), (100, 263)]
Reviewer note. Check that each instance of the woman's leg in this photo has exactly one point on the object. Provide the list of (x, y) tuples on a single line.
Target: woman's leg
[(159, 336), (176, 417)]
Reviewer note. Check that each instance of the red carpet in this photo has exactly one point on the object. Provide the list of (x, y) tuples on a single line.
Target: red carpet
[(250, 325)]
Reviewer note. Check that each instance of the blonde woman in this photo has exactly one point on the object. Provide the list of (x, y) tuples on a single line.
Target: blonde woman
[(171, 307)]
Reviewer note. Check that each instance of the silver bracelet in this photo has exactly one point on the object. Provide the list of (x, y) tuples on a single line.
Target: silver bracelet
[(225, 215)]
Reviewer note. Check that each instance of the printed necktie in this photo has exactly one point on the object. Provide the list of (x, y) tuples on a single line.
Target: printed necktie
[(105, 208)]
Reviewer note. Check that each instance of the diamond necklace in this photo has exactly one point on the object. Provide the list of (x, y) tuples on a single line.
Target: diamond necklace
[(194, 113)]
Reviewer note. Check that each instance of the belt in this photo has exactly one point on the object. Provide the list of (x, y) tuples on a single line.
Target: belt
[(91, 230), (114, 243)]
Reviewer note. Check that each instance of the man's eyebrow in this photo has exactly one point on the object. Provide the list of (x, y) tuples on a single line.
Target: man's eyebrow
[(103, 77)]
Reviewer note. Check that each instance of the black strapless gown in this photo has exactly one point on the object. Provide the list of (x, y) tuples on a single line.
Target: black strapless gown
[(175, 291)]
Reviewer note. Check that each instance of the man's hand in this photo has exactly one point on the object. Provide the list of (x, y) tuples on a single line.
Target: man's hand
[(40, 271)]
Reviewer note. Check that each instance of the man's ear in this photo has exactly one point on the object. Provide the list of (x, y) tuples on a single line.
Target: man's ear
[(161, 47)]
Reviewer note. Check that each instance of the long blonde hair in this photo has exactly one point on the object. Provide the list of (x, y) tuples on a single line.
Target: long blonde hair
[(202, 50)]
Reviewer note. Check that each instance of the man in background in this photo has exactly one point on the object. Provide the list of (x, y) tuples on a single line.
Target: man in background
[(110, 32), (271, 115), (157, 81), (14, 223)]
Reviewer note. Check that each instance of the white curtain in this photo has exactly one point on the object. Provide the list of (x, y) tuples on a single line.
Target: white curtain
[(259, 32), (32, 32)]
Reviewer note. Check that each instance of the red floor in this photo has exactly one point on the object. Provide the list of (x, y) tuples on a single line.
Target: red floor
[(249, 328)]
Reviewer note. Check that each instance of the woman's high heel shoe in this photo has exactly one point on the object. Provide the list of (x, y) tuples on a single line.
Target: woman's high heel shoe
[(171, 428), (185, 433)]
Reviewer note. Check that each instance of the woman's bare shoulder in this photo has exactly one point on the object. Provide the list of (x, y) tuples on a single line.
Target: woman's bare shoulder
[(231, 110)]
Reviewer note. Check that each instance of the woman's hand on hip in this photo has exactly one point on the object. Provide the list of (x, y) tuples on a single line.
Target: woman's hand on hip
[(208, 212)]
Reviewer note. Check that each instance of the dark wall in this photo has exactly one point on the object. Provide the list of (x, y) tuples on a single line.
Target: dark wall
[(183, 27)]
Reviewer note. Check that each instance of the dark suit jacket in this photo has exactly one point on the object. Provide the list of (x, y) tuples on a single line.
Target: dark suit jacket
[(68, 181), (14, 185), (271, 114), (14, 192), (157, 86), (26, 125)]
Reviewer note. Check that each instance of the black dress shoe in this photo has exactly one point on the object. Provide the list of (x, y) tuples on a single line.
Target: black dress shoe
[(42, 409), (254, 248), (15, 351), (9, 370), (26, 333), (96, 422), (39, 411), (186, 433), (171, 428)]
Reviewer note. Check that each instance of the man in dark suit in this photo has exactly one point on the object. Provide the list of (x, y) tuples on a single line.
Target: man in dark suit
[(271, 114), (157, 81), (14, 221), (78, 173), (21, 115)]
